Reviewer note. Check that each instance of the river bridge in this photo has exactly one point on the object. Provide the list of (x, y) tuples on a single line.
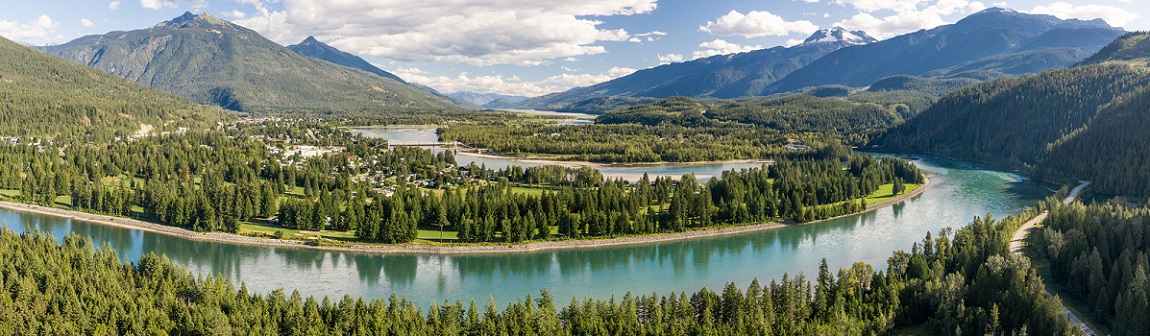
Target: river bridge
[(443, 144)]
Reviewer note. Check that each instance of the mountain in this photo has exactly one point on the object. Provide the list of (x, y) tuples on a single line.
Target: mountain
[(1087, 122), (313, 48), (485, 98), (215, 62), (45, 96), (723, 76), (838, 34), (991, 43)]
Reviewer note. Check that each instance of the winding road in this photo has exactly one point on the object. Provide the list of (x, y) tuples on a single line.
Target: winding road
[(1019, 238)]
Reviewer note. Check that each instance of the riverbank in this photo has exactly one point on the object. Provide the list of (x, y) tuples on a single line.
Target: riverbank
[(579, 164), (430, 249)]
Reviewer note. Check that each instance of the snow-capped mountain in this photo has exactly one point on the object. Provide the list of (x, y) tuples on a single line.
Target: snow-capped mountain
[(838, 34)]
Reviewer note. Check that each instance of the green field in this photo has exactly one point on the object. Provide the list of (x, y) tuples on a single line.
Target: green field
[(527, 191), (885, 193)]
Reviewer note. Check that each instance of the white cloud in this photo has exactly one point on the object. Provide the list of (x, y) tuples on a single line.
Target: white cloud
[(651, 36), (877, 5), (158, 4), (42, 27), (1113, 15), (236, 14), (508, 85), (114, 5), (87, 23), (908, 20), (721, 47), (521, 32), (670, 58), (756, 24), (811, 1)]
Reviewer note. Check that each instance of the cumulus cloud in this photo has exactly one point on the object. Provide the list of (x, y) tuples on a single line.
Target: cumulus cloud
[(906, 19), (508, 85), (521, 32), (670, 58), (158, 4), (236, 14), (114, 5), (721, 47), (756, 24), (1113, 15), (877, 5), (651, 36), (41, 27), (87, 23)]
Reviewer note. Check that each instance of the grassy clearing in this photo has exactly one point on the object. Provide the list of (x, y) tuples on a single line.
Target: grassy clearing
[(886, 193), (432, 236), (9, 193), (527, 191)]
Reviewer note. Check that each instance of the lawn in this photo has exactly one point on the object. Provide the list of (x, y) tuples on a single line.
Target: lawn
[(432, 236), (527, 191), (885, 193), (9, 193), (425, 235), (249, 227)]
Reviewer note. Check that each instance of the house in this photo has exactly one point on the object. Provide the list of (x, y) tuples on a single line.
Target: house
[(798, 145)]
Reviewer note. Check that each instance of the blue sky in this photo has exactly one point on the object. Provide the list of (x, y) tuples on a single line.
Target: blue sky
[(533, 47)]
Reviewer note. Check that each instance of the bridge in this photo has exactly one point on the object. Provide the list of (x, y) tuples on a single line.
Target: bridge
[(447, 144)]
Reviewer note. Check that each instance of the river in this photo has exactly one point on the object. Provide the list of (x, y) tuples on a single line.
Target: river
[(958, 192), (703, 171)]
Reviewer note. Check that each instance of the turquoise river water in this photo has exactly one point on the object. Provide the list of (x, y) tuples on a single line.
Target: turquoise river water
[(959, 192)]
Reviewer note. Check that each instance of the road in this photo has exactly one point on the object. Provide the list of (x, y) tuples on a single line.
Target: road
[(1019, 238)]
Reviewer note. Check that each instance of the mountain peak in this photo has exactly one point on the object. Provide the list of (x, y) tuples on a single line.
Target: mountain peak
[(188, 16), (840, 34), (309, 40), (188, 19)]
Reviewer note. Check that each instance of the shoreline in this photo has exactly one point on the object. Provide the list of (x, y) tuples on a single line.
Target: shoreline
[(133, 224), (578, 164)]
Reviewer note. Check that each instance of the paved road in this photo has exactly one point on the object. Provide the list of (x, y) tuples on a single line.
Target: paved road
[(1019, 238)]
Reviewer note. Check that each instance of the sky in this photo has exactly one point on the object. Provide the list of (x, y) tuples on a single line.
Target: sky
[(535, 47)]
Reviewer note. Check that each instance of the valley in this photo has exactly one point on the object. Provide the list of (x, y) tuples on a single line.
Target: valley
[(205, 176)]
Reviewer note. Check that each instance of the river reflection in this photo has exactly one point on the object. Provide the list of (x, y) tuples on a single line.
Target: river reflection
[(959, 191)]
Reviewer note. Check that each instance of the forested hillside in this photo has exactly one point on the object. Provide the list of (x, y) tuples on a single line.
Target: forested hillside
[(1086, 122), (788, 115), (215, 62), (960, 284), (46, 97), (1098, 256)]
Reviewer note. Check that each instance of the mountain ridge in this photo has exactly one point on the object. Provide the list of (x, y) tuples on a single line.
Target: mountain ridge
[(313, 48), (216, 62), (978, 43), (989, 44), (722, 76)]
